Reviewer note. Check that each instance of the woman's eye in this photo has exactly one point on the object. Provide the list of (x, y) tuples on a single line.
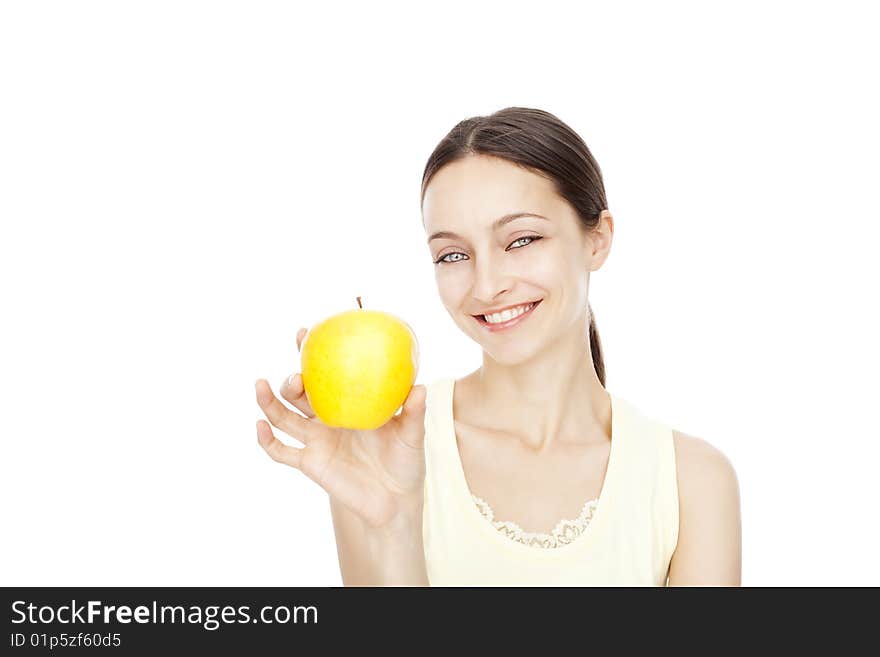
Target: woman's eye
[(529, 237), (443, 258)]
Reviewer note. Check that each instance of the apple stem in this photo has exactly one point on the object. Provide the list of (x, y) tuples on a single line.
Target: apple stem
[(359, 303)]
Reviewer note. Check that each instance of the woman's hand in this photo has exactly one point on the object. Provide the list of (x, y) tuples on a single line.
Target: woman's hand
[(378, 474)]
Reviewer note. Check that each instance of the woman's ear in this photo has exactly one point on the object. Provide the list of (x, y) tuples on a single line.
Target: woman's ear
[(599, 240)]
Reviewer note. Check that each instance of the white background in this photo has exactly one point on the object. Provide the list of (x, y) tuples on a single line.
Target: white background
[(184, 184)]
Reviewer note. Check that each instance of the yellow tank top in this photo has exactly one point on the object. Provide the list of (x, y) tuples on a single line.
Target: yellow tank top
[(628, 541)]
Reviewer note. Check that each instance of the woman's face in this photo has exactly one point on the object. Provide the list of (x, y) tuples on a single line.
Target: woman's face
[(483, 266)]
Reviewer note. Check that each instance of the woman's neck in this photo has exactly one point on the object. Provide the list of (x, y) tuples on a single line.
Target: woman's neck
[(554, 397)]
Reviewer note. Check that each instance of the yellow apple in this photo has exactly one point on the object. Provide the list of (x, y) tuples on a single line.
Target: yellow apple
[(358, 367)]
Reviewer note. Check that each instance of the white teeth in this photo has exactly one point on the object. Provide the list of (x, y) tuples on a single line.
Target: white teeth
[(506, 315)]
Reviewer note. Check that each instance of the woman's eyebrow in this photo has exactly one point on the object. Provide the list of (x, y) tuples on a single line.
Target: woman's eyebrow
[(498, 223)]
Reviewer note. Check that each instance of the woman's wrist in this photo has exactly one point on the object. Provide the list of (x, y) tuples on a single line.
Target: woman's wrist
[(397, 550)]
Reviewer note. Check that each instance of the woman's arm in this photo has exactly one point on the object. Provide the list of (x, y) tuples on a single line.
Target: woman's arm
[(709, 550), (374, 479), (391, 556)]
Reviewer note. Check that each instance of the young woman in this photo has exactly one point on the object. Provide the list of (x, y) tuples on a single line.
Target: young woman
[(526, 471)]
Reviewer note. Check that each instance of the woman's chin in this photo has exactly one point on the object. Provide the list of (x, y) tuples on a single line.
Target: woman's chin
[(509, 355)]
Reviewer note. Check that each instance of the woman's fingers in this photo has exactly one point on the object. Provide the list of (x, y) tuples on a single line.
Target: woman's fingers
[(279, 452), (348, 483), (293, 391), (290, 422)]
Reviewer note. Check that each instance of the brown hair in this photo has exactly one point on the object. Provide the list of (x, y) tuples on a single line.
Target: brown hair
[(540, 142)]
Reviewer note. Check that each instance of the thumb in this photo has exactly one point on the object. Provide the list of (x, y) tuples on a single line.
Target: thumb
[(411, 421), (412, 415), (414, 406)]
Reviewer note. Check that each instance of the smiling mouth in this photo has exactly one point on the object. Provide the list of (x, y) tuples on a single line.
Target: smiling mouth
[(482, 319)]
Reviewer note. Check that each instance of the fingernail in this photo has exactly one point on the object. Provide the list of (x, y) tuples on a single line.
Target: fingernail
[(290, 379)]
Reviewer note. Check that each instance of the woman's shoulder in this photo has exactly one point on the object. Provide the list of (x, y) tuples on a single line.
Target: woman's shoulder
[(696, 459), (438, 385), (708, 487), (437, 395), (709, 543), (699, 461)]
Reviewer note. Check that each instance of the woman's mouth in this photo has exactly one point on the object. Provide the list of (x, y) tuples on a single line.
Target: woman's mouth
[(508, 318)]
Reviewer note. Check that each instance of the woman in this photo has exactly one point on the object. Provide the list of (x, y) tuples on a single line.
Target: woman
[(526, 471)]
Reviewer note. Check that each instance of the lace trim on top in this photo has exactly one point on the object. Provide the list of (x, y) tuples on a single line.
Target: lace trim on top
[(564, 532)]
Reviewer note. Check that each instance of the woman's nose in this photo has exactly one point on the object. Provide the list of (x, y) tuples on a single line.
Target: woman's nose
[(490, 281)]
